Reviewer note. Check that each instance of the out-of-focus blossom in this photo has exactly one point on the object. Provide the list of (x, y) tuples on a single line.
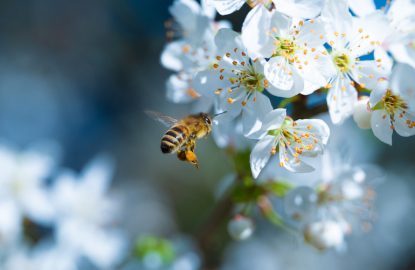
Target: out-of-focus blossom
[(194, 51), (399, 35), (293, 140), (86, 214), (152, 252), (324, 234), (393, 104)]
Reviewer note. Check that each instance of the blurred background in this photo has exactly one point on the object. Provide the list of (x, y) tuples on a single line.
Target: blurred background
[(81, 73)]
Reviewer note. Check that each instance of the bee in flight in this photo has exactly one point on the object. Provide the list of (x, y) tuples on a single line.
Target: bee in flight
[(182, 134)]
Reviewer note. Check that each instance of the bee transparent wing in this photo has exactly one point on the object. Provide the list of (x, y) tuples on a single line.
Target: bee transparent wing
[(164, 119)]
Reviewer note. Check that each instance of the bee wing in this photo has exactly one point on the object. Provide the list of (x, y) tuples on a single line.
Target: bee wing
[(164, 119)]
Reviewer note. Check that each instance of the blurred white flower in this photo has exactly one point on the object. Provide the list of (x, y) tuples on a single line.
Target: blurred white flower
[(298, 60), (44, 258), (293, 140), (85, 212), (324, 234), (393, 104), (399, 34), (192, 52), (350, 38)]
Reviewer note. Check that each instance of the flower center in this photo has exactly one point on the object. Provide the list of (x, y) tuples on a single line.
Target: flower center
[(285, 47), (252, 80), (392, 103), (342, 62)]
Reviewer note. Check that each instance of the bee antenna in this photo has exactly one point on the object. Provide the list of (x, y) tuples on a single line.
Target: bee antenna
[(219, 114)]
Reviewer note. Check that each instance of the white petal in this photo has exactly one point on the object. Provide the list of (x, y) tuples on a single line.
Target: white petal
[(377, 94), (316, 126), (367, 33), (274, 119), (225, 7), (299, 8), (227, 40), (292, 164), (284, 80), (179, 90), (402, 83), (281, 23), (260, 155), (401, 124), (172, 56), (208, 8), (341, 99), (362, 7), (253, 113), (337, 19), (208, 81), (255, 32), (381, 126), (404, 52)]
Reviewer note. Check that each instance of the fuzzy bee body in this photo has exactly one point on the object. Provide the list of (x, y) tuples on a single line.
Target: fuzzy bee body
[(174, 139), (181, 137)]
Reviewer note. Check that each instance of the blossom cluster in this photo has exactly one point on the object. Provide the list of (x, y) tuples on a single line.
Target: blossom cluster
[(52, 218), (296, 52)]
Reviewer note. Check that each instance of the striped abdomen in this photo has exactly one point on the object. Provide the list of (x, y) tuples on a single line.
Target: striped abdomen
[(174, 138)]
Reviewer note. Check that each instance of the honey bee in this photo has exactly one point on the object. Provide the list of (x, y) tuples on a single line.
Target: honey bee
[(182, 134)]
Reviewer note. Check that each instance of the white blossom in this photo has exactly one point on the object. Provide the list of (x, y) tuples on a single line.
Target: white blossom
[(85, 214), (298, 60), (237, 81), (350, 38), (324, 234), (292, 140), (393, 104)]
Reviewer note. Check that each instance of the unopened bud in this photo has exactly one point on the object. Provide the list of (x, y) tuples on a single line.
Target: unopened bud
[(240, 227)]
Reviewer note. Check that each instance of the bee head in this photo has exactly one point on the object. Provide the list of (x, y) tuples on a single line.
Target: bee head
[(206, 118)]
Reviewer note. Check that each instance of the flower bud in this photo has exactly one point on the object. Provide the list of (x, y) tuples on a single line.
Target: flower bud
[(324, 234), (362, 113), (240, 227)]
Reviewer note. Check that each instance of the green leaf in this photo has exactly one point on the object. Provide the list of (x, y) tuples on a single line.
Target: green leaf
[(278, 188)]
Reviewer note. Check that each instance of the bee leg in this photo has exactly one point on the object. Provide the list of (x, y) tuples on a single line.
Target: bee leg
[(192, 158), (181, 154), (190, 154)]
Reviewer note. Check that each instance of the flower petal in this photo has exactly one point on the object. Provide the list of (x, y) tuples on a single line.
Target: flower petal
[(225, 7), (253, 113), (341, 99), (402, 82), (255, 32), (305, 9), (285, 80), (362, 8), (381, 126), (261, 154), (404, 124)]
